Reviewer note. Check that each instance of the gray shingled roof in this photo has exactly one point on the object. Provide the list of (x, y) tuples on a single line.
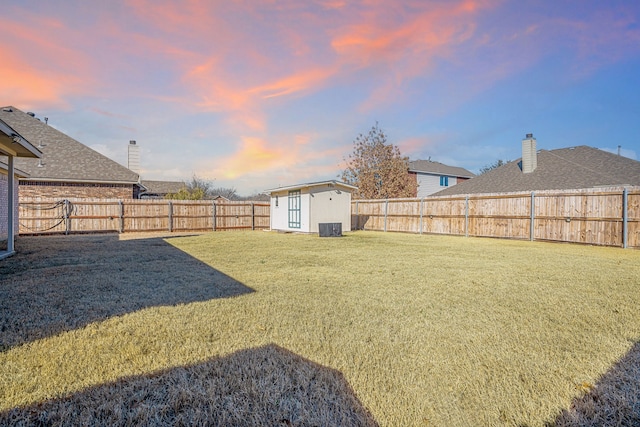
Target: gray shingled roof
[(437, 168), (14, 144), (63, 158), (162, 187), (561, 169)]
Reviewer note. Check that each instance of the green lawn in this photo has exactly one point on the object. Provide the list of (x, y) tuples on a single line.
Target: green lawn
[(422, 330)]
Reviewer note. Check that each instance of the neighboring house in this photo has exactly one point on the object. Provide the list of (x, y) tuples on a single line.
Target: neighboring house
[(159, 189), (67, 168), (561, 169), (303, 207), (434, 176), (12, 145)]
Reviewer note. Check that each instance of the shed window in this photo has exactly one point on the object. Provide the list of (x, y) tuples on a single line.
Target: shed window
[(294, 209), (444, 181)]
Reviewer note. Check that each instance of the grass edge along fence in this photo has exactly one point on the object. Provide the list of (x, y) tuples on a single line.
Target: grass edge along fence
[(598, 216), (84, 215)]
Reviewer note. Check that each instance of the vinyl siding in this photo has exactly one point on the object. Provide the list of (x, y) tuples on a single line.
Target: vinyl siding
[(429, 184)]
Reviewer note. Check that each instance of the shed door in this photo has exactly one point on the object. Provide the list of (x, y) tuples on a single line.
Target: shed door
[(294, 209)]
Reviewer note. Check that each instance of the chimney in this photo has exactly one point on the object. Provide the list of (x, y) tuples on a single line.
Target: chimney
[(134, 157), (529, 155)]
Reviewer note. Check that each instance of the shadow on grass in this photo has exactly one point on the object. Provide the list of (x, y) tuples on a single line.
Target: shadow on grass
[(613, 401), (358, 222), (58, 283), (267, 385)]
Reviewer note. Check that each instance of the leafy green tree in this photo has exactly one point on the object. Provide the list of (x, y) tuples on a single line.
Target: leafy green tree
[(492, 166), (378, 169)]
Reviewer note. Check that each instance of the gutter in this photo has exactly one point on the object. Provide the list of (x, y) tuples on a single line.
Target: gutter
[(79, 181)]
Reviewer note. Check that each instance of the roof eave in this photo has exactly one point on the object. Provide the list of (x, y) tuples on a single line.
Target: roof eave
[(442, 173), (81, 181), (23, 149), (17, 172), (312, 184)]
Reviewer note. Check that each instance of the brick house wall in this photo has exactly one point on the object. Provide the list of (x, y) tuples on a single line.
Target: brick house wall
[(4, 206), (62, 190)]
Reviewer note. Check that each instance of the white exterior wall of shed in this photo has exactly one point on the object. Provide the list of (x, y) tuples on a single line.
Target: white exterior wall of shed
[(330, 204), (318, 204), (280, 213), (429, 184)]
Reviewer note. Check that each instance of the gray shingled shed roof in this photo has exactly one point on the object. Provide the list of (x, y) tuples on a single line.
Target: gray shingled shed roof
[(162, 187), (437, 168), (561, 169), (313, 184), (63, 158)]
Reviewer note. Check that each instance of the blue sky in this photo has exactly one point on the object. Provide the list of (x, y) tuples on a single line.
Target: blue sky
[(258, 94)]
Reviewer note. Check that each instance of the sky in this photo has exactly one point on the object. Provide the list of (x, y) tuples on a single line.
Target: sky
[(254, 95)]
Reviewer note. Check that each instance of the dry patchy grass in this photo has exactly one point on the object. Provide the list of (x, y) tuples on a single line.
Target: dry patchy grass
[(418, 330)]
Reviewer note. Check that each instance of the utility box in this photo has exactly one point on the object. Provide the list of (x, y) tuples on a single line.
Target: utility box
[(330, 229)]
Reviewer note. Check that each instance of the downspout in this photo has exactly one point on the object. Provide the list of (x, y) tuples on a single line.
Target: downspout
[(11, 206)]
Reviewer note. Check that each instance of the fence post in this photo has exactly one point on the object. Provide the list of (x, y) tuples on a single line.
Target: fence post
[(625, 218), (170, 216), (386, 209), (253, 217), (213, 205), (67, 217), (421, 203), (466, 216), (121, 205), (357, 217), (533, 215)]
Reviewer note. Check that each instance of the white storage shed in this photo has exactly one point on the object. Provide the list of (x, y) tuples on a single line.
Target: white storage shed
[(302, 208)]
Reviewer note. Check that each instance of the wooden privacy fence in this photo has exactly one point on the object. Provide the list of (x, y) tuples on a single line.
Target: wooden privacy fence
[(38, 216), (609, 217)]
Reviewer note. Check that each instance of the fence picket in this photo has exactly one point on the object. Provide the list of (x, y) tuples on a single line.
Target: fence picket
[(41, 216), (609, 216)]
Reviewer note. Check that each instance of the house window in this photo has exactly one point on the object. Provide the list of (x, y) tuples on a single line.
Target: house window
[(294, 209), (444, 181)]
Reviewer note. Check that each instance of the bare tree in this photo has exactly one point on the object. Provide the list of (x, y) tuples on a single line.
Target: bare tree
[(492, 166), (227, 193), (196, 189), (256, 197), (378, 169)]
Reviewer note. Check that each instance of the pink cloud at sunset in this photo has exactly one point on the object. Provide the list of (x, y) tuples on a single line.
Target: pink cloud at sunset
[(37, 69), (257, 156), (381, 39), (308, 79), (27, 86), (241, 83)]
